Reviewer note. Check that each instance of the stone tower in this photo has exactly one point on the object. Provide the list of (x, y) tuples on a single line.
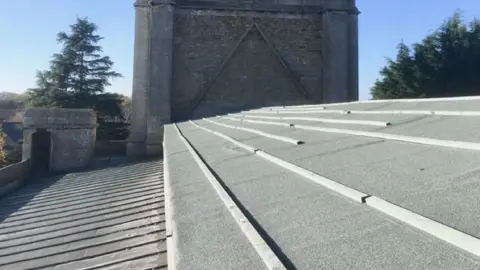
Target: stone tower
[(196, 58)]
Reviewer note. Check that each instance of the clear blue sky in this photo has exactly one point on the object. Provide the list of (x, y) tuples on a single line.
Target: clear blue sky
[(28, 31)]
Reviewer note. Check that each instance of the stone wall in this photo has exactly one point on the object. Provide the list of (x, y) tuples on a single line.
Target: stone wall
[(13, 176), (72, 148), (200, 47), (197, 58), (226, 61), (110, 148), (72, 136)]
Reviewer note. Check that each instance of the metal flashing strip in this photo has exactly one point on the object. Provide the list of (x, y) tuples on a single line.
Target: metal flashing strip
[(306, 108), (264, 251), (448, 234), (394, 137), (323, 120), (167, 190), (392, 112), (172, 237), (455, 237), (420, 112), (466, 98), (169, 223), (261, 133), (318, 106), (332, 185), (258, 121), (295, 111), (342, 189), (237, 143), (406, 100), (411, 112)]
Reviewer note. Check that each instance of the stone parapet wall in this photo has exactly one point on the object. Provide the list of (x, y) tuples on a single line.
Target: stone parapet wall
[(13, 176)]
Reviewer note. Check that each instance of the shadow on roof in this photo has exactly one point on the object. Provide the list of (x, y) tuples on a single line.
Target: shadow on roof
[(35, 187)]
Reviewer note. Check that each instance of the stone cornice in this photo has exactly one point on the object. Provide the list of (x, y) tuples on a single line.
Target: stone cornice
[(151, 3), (292, 10), (352, 11), (274, 8), (279, 8)]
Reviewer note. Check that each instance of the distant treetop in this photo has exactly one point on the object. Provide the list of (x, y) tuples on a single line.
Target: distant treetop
[(445, 63)]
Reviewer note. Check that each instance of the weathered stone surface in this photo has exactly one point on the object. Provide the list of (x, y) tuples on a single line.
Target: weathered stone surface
[(27, 143), (137, 137), (205, 40), (59, 118), (265, 5), (72, 135), (339, 55), (72, 148), (152, 77), (201, 45), (299, 42), (306, 45), (246, 80)]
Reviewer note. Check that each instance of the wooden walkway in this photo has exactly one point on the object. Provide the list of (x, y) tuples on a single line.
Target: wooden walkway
[(111, 218)]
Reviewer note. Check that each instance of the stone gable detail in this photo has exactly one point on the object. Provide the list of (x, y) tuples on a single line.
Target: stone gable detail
[(204, 58)]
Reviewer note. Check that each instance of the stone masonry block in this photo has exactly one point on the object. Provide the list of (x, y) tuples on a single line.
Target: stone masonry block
[(72, 135)]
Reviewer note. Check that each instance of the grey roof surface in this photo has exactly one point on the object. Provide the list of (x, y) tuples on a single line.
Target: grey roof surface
[(431, 172), (110, 218)]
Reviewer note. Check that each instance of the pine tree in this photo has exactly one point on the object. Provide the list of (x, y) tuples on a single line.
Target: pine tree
[(46, 94)]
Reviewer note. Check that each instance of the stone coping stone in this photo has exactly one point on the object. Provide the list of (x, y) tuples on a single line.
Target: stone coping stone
[(56, 117), (13, 176), (273, 5)]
